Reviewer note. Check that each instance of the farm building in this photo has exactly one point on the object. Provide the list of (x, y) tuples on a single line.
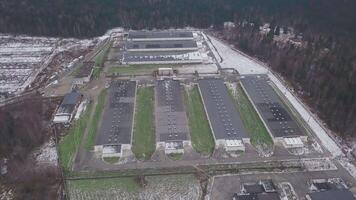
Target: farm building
[(178, 45), (161, 47), (114, 135), (171, 120), (68, 107), (170, 57), (273, 112), (160, 35), (326, 190), (224, 119), (263, 190)]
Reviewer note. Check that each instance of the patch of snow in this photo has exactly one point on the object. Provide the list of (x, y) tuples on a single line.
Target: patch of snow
[(232, 58), (82, 106), (47, 154)]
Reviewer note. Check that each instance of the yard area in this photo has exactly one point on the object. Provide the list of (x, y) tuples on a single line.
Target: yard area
[(251, 120), (70, 143), (144, 142), (200, 132), (173, 187), (137, 69), (89, 144)]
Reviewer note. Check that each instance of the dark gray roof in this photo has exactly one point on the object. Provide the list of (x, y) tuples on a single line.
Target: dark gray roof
[(261, 196), (71, 98), (223, 115), (332, 195), (171, 117), (160, 34), (270, 106), (69, 102), (166, 44), (152, 56), (116, 122), (254, 189)]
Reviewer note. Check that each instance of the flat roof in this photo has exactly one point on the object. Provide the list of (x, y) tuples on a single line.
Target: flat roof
[(171, 119), (273, 111), (332, 195), (159, 34), (261, 196), (164, 44), (155, 56), (224, 118), (69, 102), (116, 125)]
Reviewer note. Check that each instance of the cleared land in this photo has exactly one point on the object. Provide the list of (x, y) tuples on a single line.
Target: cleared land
[(70, 143), (144, 132), (95, 120), (251, 120), (200, 132), (156, 187), (100, 59)]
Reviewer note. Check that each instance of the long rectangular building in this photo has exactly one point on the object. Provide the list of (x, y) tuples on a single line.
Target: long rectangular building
[(279, 122), (164, 45), (160, 35), (114, 136), (171, 119), (224, 119), (170, 57)]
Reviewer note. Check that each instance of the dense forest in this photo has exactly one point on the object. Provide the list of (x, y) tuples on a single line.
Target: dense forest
[(84, 18), (323, 70)]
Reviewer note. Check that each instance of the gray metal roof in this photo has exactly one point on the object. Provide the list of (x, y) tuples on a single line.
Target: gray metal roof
[(171, 120), (270, 106), (116, 122), (152, 56), (69, 102), (160, 34), (261, 196), (166, 44), (224, 118), (332, 195), (71, 98)]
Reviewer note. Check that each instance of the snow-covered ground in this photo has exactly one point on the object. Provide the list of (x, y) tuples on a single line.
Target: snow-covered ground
[(47, 154), (235, 59), (22, 58)]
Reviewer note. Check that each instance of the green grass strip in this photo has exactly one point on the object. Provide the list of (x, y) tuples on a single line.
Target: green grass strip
[(251, 120), (70, 143), (200, 132), (89, 145), (144, 140)]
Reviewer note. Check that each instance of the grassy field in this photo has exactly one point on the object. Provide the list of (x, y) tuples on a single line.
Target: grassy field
[(111, 160), (143, 144), (137, 69), (200, 132), (251, 120), (99, 60), (129, 184), (89, 144), (70, 143)]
